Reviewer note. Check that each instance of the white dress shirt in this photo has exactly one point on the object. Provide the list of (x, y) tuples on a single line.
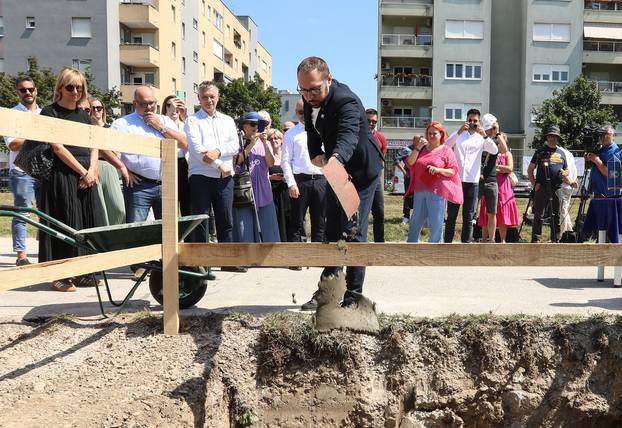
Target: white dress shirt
[(468, 149), (295, 155), (205, 133), (147, 166), (8, 140)]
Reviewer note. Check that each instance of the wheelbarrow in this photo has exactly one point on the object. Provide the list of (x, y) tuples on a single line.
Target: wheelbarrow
[(192, 280)]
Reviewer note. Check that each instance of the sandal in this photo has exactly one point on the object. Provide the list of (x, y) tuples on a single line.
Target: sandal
[(63, 285), (87, 281)]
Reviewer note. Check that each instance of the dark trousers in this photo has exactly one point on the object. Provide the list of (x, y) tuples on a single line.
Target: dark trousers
[(337, 225), (408, 202), (377, 210), (183, 187), (541, 200), (312, 197), (216, 193), (470, 191)]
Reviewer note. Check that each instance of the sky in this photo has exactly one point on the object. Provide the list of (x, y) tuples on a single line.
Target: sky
[(344, 33)]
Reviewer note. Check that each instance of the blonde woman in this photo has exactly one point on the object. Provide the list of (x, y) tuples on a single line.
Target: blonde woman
[(70, 193), (109, 189), (279, 186), (175, 108)]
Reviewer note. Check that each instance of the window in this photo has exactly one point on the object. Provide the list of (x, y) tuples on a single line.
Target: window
[(218, 20), (173, 14), (203, 70), (209, 13), (174, 82), (218, 49), (457, 112), (228, 33), (465, 71), (455, 29), (203, 38), (30, 22), (551, 32), (183, 31), (81, 28), (264, 65), (183, 65), (150, 79), (203, 7), (173, 50), (550, 73), (1, 26), (195, 24), (195, 88), (236, 64), (82, 64), (195, 56)]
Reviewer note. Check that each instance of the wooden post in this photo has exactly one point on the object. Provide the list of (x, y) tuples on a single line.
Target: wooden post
[(169, 237)]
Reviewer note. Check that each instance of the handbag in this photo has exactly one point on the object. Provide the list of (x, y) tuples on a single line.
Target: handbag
[(243, 196), (36, 158), (513, 179)]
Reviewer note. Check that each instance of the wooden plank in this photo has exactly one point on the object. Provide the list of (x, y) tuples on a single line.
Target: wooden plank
[(399, 254), (42, 128), (57, 269), (169, 237)]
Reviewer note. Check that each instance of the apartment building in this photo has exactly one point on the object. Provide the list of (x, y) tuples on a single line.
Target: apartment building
[(438, 58), (171, 45)]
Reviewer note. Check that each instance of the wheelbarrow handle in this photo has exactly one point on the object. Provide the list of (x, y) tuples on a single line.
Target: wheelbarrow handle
[(62, 226)]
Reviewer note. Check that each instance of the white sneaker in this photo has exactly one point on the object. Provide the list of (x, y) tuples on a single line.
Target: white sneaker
[(405, 220)]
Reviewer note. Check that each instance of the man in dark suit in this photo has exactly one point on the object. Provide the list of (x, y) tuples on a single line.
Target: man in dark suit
[(337, 131)]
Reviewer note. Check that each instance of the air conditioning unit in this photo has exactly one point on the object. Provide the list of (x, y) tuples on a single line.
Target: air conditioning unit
[(386, 65), (387, 103)]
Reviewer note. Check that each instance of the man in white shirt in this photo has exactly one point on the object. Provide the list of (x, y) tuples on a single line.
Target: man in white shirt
[(306, 182), (23, 186), (144, 187), (469, 142), (213, 141)]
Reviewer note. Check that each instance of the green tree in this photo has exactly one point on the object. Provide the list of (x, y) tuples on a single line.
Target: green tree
[(241, 96), (572, 108)]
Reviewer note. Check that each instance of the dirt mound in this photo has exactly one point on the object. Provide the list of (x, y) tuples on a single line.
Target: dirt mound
[(237, 370)]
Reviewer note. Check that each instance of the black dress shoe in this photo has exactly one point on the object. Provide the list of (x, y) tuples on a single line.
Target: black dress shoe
[(311, 305), (236, 269)]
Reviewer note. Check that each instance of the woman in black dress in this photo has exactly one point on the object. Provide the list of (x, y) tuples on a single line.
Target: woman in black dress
[(70, 193)]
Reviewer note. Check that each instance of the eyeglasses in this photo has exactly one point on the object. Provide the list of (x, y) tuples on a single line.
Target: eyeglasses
[(29, 90), (71, 88), (98, 108), (145, 104), (313, 91)]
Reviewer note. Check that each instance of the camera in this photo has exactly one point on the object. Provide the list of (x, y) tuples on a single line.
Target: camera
[(473, 126), (261, 125), (590, 139)]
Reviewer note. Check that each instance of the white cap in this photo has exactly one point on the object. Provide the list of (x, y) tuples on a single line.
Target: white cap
[(488, 121)]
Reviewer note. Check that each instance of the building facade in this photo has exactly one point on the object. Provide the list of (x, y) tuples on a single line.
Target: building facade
[(171, 45), (438, 58)]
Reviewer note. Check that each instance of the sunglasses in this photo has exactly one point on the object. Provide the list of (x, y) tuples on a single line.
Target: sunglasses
[(71, 88), (250, 123), (29, 90), (97, 108)]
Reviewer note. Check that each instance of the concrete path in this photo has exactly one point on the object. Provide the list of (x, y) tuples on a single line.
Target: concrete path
[(416, 291)]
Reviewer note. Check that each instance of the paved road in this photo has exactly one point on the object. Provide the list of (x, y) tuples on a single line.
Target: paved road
[(428, 291)]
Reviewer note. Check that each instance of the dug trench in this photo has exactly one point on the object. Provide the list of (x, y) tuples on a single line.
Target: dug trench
[(236, 370)]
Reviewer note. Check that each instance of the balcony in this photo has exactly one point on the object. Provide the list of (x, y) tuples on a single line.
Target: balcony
[(407, 8), (418, 87), (139, 55), (611, 91), (406, 45), (137, 14), (602, 52), (403, 127), (609, 5), (128, 88)]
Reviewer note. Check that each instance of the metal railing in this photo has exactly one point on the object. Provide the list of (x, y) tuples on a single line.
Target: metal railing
[(152, 85), (407, 122), (602, 46), (152, 3), (395, 81), (603, 5), (607, 86), (423, 2), (406, 40)]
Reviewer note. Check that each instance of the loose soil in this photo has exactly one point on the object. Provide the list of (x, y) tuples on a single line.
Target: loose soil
[(236, 370)]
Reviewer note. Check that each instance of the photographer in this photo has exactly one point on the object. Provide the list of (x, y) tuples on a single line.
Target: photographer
[(598, 175), (551, 170)]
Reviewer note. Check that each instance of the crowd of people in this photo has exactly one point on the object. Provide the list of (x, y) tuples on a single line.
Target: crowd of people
[(259, 184)]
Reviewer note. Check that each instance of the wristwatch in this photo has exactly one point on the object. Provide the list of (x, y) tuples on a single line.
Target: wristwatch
[(163, 130)]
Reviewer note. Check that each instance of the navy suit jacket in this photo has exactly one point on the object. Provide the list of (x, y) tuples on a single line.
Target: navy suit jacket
[(342, 128)]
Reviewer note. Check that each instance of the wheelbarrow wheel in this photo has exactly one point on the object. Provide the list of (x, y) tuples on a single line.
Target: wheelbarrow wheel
[(191, 289)]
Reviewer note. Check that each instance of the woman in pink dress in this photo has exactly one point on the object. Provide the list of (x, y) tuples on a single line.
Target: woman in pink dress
[(507, 212)]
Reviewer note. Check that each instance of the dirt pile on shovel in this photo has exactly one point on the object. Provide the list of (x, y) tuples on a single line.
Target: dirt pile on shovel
[(238, 370)]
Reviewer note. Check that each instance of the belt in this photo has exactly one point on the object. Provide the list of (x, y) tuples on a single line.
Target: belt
[(147, 180), (309, 176)]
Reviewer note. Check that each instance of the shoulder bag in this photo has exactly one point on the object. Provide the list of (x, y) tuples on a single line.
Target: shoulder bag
[(242, 186), (36, 158)]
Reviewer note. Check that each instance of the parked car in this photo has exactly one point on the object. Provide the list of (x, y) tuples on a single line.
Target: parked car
[(523, 187)]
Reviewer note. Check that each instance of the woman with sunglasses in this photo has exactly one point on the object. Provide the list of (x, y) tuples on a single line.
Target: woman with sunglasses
[(70, 193), (256, 156), (279, 186), (175, 108), (110, 166)]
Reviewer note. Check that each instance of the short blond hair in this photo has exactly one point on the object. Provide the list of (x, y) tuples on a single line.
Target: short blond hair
[(68, 76), (273, 132)]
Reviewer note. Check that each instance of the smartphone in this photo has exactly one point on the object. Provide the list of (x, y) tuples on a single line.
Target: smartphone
[(261, 125)]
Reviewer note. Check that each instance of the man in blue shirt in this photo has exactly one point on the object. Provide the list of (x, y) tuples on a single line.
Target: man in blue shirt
[(598, 176)]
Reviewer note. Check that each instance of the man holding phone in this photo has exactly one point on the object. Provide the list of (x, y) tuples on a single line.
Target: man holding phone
[(469, 142)]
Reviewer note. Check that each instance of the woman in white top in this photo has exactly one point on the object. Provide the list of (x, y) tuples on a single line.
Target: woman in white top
[(175, 108)]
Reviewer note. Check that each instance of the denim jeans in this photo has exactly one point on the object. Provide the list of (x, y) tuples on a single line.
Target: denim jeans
[(429, 207), (140, 198), (337, 224), (24, 189)]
